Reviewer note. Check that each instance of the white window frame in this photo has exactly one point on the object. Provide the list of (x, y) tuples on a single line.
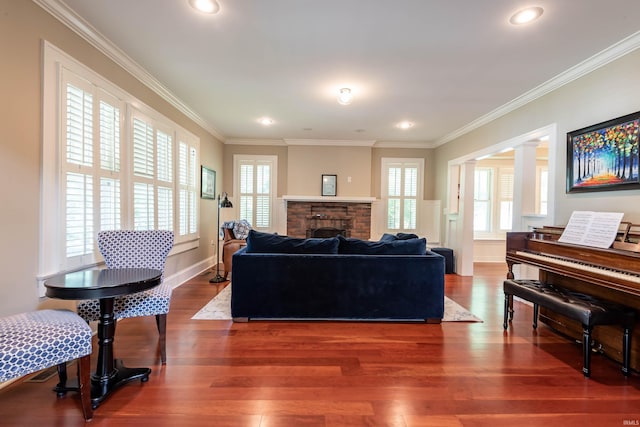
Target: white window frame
[(238, 160), (386, 164), (52, 256), (495, 201)]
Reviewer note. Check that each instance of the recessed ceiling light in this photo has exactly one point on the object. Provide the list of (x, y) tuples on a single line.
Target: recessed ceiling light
[(345, 96), (525, 16), (404, 125), (206, 6), (266, 121)]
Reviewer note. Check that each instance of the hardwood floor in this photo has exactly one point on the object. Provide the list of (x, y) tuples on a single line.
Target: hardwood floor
[(221, 373)]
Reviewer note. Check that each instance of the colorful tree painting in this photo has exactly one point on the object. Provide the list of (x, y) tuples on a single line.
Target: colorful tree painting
[(604, 158)]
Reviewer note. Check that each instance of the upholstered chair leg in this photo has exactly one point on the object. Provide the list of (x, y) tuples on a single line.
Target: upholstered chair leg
[(84, 385), (161, 321), (61, 388)]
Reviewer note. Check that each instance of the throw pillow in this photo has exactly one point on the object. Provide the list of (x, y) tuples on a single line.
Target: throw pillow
[(241, 229), (406, 236), (395, 247), (386, 237), (258, 242)]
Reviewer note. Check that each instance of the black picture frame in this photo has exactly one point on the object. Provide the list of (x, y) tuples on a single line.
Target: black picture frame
[(207, 183), (329, 185), (604, 156)]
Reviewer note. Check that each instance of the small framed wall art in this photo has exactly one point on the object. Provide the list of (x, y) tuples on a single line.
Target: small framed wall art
[(208, 183), (329, 185)]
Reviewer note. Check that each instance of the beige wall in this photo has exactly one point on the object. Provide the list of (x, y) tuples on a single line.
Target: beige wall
[(609, 92), (308, 163), (23, 26), (300, 167)]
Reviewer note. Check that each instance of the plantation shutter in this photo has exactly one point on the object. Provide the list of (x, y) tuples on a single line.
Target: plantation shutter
[(90, 166), (506, 197), (263, 196), (255, 177), (152, 153), (187, 190), (403, 181)]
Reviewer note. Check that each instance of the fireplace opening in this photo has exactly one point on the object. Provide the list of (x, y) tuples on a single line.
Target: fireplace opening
[(324, 232)]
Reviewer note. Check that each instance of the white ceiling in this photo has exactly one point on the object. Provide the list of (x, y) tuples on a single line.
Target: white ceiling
[(441, 64)]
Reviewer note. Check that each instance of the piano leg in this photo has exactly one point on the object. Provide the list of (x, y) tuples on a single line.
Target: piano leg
[(536, 308), (626, 348), (586, 349)]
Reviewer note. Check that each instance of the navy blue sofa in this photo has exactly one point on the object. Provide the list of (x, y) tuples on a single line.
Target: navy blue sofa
[(295, 282)]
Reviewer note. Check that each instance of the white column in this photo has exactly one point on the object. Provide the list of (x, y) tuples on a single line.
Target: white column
[(464, 244), (524, 183)]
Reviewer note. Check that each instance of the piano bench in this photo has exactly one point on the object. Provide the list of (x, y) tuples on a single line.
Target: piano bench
[(586, 309)]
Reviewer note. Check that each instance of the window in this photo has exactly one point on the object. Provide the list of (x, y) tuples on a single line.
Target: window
[(256, 178), (492, 200), (401, 190), (152, 166), (482, 183), (542, 187), (109, 166)]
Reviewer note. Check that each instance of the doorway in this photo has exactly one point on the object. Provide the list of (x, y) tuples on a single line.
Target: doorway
[(525, 210)]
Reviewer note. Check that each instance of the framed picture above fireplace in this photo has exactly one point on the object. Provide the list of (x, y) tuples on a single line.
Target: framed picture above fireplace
[(329, 185)]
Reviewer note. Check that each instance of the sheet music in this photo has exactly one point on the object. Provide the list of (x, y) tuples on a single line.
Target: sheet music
[(596, 229)]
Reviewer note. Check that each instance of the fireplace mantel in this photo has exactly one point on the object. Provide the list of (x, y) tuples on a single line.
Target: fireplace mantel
[(329, 199)]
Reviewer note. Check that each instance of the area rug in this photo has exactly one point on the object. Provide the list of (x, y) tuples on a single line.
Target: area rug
[(219, 308)]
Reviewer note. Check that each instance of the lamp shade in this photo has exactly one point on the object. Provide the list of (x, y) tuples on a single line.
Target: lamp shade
[(225, 203)]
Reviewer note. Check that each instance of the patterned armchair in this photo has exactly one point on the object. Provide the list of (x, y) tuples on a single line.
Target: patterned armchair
[(235, 237), (136, 249)]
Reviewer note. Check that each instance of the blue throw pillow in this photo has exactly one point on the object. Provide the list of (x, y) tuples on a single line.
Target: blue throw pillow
[(406, 236), (395, 247), (386, 237), (258, 242)]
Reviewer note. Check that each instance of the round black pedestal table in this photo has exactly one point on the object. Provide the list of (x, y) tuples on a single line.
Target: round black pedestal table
[(104, 285)]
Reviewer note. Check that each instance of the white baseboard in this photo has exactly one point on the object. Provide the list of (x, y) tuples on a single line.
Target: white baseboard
[(180, 277)]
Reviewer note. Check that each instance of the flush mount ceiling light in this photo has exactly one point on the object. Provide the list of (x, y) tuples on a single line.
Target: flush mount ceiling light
[(345, 96), (404, 125), (525, 16), (205, 6), (265, 121)]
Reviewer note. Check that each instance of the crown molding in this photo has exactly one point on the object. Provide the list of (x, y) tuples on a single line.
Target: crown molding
[(404, 144), (600, 59), (241, 141), (68, 17), (330, 142)]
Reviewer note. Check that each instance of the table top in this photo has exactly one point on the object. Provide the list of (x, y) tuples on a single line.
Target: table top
[(110, 282)]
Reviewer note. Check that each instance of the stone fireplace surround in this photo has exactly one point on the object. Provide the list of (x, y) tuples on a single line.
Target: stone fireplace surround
[(351, 214)]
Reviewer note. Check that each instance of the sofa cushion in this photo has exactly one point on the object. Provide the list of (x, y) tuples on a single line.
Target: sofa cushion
[(258, 242), (394, 247)]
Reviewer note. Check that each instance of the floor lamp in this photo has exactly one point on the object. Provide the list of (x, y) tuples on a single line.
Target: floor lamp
[(225, 203)]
